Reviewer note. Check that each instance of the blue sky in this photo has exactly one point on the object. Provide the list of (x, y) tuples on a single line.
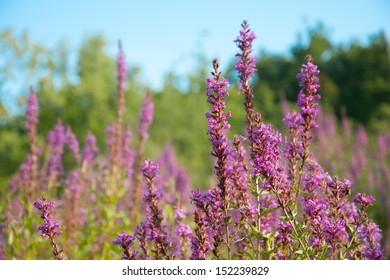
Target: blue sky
[(161, 35)]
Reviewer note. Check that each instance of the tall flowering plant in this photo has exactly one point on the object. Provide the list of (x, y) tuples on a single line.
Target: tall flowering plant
[(271, 199)]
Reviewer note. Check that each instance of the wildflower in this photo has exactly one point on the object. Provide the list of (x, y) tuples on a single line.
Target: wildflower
[(31, 125), (121, 79), (56, 138), (370, 234), (146, 116), (245, 67), (125, 241), (49, 227), (364, 200), (121, 69), (128, 155), (73, 143), (266, 154), (90, 150), (32, 112), (218, 125), (156, 230), (239, 174), (308, 94)]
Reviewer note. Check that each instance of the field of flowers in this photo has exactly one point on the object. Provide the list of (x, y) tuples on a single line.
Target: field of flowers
[(273, 196)]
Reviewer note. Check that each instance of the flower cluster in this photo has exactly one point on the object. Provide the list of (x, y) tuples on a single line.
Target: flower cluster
[(49, 227)]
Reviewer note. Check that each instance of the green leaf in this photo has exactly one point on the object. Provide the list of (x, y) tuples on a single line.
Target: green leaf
[(353, 246), (306, 194), (325, 254), (268, 211), (254, 232)]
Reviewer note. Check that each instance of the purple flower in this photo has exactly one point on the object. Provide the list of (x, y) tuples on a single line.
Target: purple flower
[(141, 234), (245, 66), (146, 116), (369, 234), (335, 231), (73, 143), (364, 200), (121, 69), (200, 246), (239, 174), (32, 111), (308, 94), (266, 154), (90, 150), (56, 138), (154, 216), (150, 169), (73, 182), (127, 155), (125, 241), (339, 189), (217, 119), (284, 231), (49, 227)]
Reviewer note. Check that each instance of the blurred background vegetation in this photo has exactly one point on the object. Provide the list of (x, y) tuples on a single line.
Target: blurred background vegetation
[(81, 90)]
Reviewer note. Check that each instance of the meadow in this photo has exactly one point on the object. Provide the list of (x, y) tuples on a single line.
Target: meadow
[(314, 189)]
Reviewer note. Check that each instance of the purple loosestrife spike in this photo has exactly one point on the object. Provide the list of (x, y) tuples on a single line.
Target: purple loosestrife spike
[(49, 227), (145, 120), (245, 67), (307, 96), (141, 234), (370, 234), (90, 150), (32, 111), (266, 155), (110, 132), (364, 200), (128, 155), (73, 143), (200, 245), (146, 116), (218, 126), (121, 79), (183, 233), (284, 233), (125, 241), (293, 146), (149, 170), (121, 69), (157, 231), (56, 138), (31, 125)]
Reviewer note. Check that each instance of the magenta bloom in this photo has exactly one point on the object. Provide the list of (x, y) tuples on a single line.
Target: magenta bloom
[(146, 117), (308, 94), (32, 111), (125, 241), (49, 227), (266, 155), (364, 199), (73, 143), (245, 66), (90, 149), (150, 169), (121, 69), (56, 138)]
